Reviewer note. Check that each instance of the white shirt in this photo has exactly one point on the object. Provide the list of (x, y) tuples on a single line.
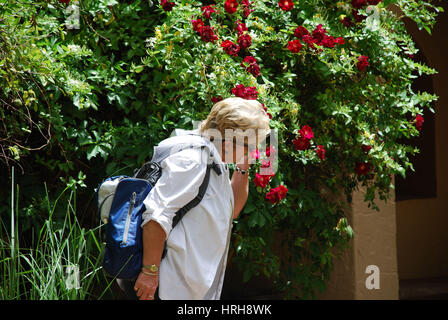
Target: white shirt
[(197, 247)]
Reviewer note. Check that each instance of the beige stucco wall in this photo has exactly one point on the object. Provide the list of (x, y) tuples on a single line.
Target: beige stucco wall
[(422, 239), (406, 239), (342, 283), (374, 243)]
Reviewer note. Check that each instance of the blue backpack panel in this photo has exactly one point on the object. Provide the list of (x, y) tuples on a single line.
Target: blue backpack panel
[(124, 245)]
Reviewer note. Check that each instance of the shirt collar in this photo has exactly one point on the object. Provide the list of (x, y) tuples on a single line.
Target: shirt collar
[(216, 155)]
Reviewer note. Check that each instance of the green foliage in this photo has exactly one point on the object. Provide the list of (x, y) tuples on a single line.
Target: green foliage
[(63, 262), (97, 99)]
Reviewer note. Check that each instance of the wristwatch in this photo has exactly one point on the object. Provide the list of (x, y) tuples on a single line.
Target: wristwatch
[(152, 267), (240, 170)]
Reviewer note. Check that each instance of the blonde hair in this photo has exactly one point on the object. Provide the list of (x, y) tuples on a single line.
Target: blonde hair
[(237, 114)]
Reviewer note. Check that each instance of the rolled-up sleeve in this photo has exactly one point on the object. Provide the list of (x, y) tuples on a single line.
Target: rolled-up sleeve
[(182, 174)]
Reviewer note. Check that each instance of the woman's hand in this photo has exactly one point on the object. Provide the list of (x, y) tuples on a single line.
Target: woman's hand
[(146, 286), (240, 184), (153, 240)]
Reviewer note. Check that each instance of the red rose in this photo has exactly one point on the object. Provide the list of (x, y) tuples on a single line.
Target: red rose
[(250, 63), (208, 10), (255, 154), (249, 93), (362, 63), (266, 109), (245, 41), (239, 90), (294, 46), (362, 168), (246, 3), (272, 196), (309, 40), (247, 10), (300, 32), (319, 33), (320, 152), (197, 25), (207, 34), (286, 5), (231, 6), (249, 60), (261, 180), (265, 163), (276, 194), (340, 40), (216, 99), (328, 41), (358, 17), (240, 28), (358, 4), (230, 47), (167, 6), (301, 143), (306, 132), (266, 168), (282, 190), (64, 1), (419, 122), (269, 150), (365, 148), (347, 21), (374, 2)]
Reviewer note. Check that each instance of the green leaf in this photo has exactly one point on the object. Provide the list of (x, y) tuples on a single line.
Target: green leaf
[(299, 241), (93, 151), (247, 274), (138, 69)]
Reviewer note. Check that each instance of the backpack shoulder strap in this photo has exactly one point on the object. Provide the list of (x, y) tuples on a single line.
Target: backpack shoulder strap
[(193, 203), (202, 188), (151, 171)]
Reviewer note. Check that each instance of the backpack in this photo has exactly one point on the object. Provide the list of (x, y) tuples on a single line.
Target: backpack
[(120, 206)]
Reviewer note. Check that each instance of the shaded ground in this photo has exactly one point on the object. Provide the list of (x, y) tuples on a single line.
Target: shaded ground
[(424, 289)]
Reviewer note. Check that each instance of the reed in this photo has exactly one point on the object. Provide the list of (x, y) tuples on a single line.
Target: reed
[(63, 262)]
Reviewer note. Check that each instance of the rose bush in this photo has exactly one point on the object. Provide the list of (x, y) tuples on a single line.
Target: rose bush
[(320, 70), (335, 83)]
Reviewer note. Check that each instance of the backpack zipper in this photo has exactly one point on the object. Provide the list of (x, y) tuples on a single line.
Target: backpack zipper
[(128, 219)]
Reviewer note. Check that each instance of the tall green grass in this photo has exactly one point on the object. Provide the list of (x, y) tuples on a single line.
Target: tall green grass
[(63, 262)]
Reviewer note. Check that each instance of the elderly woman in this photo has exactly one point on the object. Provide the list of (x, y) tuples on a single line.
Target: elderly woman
[(197, 248)]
